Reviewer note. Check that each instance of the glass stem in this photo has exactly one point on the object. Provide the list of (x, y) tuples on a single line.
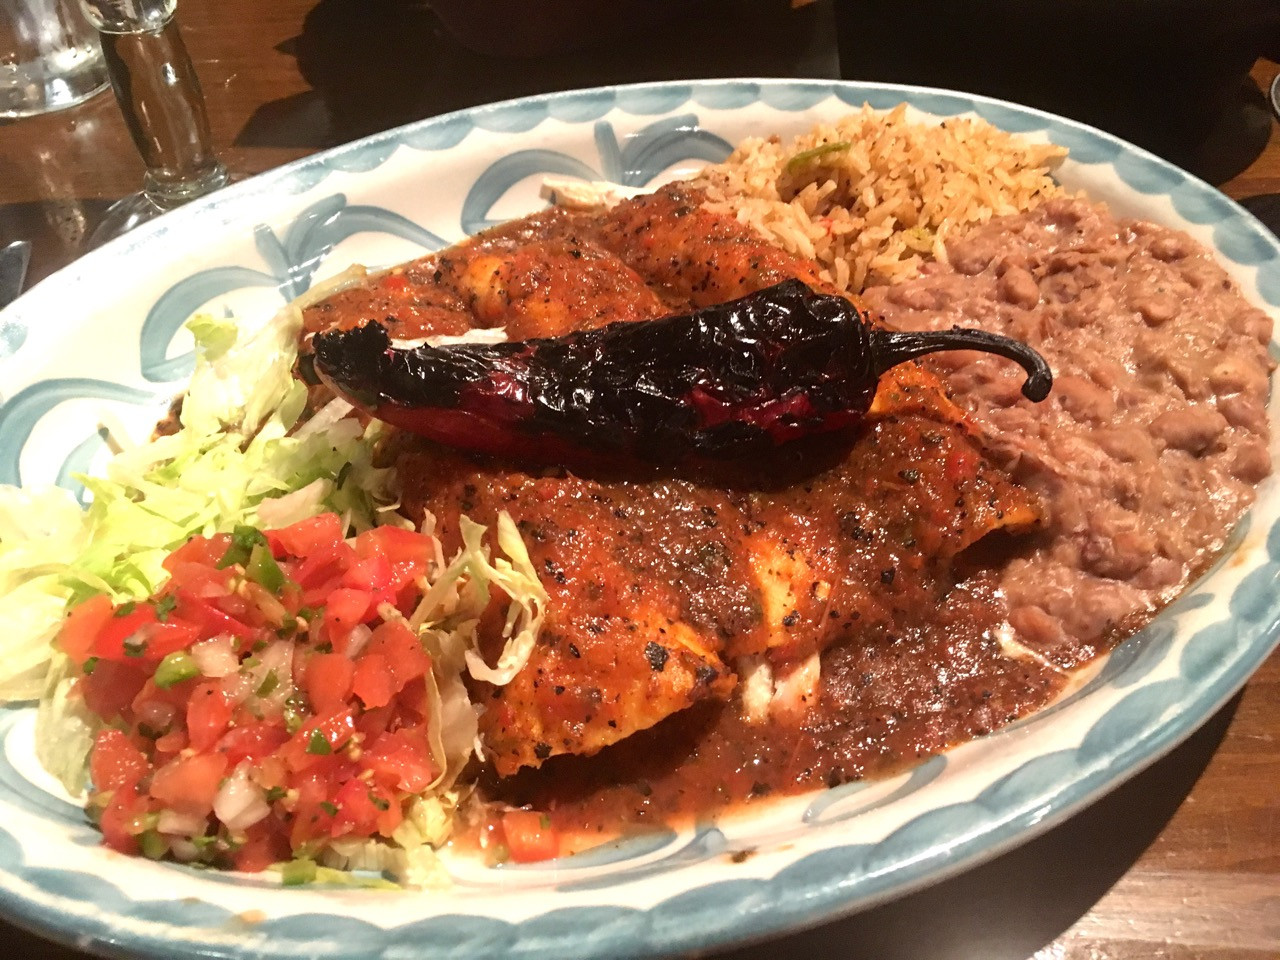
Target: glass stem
[(159, 94)]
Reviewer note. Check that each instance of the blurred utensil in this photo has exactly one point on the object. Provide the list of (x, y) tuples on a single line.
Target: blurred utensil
[(13, 270)]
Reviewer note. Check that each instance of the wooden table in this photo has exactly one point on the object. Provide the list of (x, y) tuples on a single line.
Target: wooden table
[(1181, 862)]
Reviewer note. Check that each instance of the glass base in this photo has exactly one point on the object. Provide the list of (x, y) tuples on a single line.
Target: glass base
[(53, 82), (122, 216), (145, 205)]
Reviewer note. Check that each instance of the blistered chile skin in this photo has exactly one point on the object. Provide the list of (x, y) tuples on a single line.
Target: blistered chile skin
[(727, 381)]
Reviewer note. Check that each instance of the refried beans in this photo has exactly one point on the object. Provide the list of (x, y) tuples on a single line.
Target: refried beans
[(1149, 447)]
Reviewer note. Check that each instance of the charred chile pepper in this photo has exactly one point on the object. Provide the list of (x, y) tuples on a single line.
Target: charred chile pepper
[(727, 381)]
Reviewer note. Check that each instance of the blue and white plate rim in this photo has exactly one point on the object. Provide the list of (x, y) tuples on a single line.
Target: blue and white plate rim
[(826, 888)]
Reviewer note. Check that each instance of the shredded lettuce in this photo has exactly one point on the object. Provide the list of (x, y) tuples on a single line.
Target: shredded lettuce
[(409, 859), (461, 594), (241, 456), (235, 459), (65, 728), (41, 533)]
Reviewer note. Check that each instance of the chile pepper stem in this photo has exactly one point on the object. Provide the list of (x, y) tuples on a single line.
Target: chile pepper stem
[(892, 347)]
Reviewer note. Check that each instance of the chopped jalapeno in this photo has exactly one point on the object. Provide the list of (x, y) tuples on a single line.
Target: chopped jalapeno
[(263, 569), (175, 668), (243, 540)]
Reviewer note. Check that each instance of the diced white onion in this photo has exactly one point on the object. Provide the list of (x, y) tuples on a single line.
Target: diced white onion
[(239, 802), (181, 824), (276, 659), (236, 687), (215, 657), (155, 714), (358, 640)]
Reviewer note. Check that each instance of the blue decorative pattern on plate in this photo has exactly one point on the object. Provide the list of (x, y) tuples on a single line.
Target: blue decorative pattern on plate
[(71, 358)]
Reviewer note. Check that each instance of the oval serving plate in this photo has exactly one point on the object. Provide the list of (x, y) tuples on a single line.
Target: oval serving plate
[(103, 340)]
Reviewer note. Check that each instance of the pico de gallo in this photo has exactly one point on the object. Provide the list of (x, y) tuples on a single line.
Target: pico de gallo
[(269, 699)]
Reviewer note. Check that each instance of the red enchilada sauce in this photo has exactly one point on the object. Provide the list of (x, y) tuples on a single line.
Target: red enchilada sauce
[(890, 553)]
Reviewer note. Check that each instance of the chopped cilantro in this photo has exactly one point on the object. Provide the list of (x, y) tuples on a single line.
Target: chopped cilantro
[(164, 606), (318, 745)]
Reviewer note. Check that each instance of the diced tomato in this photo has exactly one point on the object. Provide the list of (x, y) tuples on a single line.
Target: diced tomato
[(271, 772), (407, 553), (313, 811), (200, 551), (306, 537), (199, 580), (172, 742), (189, 784), (263, 846), (183, 740), (373, 574), (344, 609), (82, 626), (405, 656), (358, 809), (325, 565), (398, 545), (375, 721), (329, 681), (372, 681), (307, 747), (402, 759), (120, 821), (530, 836), (211, 621), (411, 703), (123, 634), (208, 714), (253, 741), (290, 594), (170, 637), (175, 696), (115, 762), (112, 687)]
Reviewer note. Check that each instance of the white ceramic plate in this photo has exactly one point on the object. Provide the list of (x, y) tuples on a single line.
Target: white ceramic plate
[(105, 335)]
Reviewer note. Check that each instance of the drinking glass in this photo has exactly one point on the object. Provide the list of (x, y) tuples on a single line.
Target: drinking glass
[(156, 86), (49, 57)]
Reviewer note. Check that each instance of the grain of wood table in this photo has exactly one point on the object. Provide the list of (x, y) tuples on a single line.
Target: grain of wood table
[(1181, 862)]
